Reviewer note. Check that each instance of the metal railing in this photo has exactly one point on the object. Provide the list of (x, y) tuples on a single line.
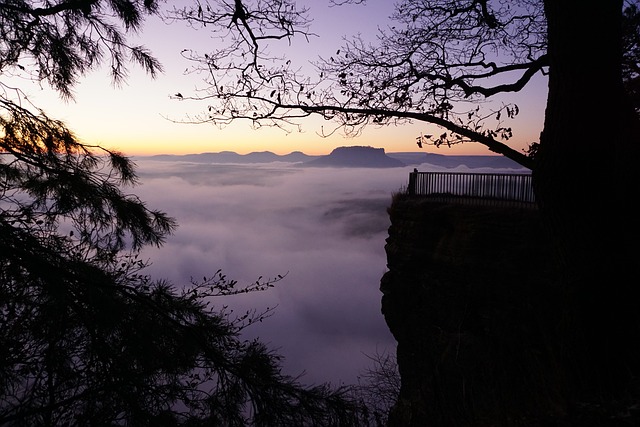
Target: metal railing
[(485, 187)]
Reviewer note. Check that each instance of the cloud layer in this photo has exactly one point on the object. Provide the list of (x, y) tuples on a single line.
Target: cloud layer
[(324, 228)]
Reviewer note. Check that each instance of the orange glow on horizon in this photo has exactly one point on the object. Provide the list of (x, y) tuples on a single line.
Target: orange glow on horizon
[(247, 143)]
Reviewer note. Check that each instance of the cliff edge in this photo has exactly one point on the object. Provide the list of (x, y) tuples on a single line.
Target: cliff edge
[(469, 299), (485, 334)]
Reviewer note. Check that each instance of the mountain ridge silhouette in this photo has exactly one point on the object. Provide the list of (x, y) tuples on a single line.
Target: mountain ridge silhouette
[(349, 156)]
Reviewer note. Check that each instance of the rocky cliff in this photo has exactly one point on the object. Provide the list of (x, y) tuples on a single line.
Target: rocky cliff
[(486, 336), (468, 298)]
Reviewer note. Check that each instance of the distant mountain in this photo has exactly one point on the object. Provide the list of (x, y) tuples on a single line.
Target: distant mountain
[(472, 162), (297, 157), (231, 157), (446, 161), (410, 158), (356, 157)]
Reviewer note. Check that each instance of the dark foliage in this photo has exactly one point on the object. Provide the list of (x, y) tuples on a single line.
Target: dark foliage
[(60, 41), (433, 62), (86, 338)]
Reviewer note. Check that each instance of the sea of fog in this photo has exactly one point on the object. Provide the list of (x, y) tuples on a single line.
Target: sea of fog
[(324, 229)]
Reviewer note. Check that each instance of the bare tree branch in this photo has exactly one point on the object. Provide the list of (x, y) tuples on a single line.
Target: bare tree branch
[(435, 65)]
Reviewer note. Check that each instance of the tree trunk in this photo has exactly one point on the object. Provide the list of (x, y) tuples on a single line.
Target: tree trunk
[(586, 184)]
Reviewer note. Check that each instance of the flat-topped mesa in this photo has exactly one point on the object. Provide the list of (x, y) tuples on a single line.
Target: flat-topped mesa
[(356, 156)]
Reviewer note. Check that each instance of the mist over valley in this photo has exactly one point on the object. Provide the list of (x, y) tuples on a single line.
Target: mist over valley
[(323, 228)]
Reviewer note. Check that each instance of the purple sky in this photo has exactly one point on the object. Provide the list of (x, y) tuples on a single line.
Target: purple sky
[(326, 228), (144, 111)]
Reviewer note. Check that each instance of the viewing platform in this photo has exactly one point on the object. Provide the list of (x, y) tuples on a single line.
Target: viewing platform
[(497, 189)]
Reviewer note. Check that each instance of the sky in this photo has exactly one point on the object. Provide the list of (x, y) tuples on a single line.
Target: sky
[(139, 117), (324, 229)]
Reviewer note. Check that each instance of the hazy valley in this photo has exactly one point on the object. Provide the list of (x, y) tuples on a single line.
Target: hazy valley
[(323, 227)]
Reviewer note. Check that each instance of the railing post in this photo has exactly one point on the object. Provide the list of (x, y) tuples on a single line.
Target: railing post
[(413, 177)]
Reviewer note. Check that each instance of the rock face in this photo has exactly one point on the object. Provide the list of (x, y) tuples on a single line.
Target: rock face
[(468, 298)]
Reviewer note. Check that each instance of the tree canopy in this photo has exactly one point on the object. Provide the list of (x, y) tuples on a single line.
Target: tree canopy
[(443, 62), (72, 287), (437, 62), (60, 41), (86, 338), (432, 63)]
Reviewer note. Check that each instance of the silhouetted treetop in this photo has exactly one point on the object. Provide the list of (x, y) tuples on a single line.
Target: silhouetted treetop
[(439, 62), (60, 41), (432, 62), (48, 174), (86, 338)]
